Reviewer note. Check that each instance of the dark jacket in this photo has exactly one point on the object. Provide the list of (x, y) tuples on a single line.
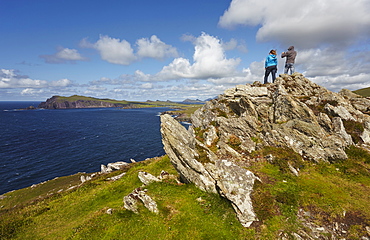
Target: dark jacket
[(290, 55)]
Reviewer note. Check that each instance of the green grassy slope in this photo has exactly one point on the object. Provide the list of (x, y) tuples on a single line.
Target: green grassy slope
[(81, 213), (365, 92), (326, 191)]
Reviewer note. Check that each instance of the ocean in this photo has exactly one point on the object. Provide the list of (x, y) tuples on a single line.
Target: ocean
[(39, 145)]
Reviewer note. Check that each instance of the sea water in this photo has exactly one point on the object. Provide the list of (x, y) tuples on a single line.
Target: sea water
[(39, 145)]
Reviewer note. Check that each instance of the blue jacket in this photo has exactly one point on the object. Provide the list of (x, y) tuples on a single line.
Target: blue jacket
[(271, 60)]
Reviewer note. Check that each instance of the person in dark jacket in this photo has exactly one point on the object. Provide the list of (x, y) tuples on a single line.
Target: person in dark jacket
[(270, 66), (290, 59)]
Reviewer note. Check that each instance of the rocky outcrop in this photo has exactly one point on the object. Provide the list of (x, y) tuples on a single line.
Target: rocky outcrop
[(196, 163), (292, 113)]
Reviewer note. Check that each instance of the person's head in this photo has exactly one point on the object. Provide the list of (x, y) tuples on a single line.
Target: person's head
[(273, 52)]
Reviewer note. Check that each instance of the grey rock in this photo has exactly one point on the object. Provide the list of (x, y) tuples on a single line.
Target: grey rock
[(112, 167), (84, 178), (214, 175), (292, 113), (115, 178), (147, 178), (109, 211), (131, 201), (236, 184)]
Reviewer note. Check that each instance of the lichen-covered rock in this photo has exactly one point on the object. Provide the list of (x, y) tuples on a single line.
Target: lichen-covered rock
[(236, 184), (147, 178), (292, 113), (197, 164), (181, 147), (131, 201)]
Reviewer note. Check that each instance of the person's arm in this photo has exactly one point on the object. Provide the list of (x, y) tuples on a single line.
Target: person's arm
[(267, 60)]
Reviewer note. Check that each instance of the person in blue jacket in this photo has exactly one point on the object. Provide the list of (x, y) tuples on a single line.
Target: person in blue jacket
[(270, 66)]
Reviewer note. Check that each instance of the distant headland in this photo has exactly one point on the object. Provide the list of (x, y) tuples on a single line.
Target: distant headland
[(77, 101)]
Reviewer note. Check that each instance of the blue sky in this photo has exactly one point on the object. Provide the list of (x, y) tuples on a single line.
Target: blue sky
[(172, 50)]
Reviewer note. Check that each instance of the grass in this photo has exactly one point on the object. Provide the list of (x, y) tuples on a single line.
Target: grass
[(336, 192), (320, 108), (221, 113), (81, 214), (84, 98), (326, 191), (235, 142), (203, 155), (365, 92), (355, 129)]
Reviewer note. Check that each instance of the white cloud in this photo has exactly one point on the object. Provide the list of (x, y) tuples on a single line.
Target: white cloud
[(97, 88), (31, 91), (336, 69), (209, 61), (188, 38), (60, 83), (343, 81), (9, 78), (63, 55), (118, 51), (208, 75), (332, 62), (115, 51), (232, 44), (155, 48), (140, 76), (304, 23), (84, 43), (147, 86)]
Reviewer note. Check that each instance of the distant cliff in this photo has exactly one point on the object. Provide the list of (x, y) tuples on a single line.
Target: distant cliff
[(75, 101), (58, 102)]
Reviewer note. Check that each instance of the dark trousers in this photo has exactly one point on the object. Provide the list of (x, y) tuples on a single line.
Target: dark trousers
[(272, 70)]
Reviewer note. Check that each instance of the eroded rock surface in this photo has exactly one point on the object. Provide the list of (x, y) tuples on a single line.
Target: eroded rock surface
[(292, 113), (138, 194)]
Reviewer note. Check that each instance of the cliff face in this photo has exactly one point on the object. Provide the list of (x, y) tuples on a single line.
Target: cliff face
[(292, 113), (57, 102)]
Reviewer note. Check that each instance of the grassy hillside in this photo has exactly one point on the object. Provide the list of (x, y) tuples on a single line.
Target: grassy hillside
[(328, 193), (365, 92), (84, 98), (81, 213), (133, 103)]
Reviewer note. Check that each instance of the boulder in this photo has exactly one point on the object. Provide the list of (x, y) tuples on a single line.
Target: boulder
[(115, 178), (112, 167), (131, 201), (147, 178)]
